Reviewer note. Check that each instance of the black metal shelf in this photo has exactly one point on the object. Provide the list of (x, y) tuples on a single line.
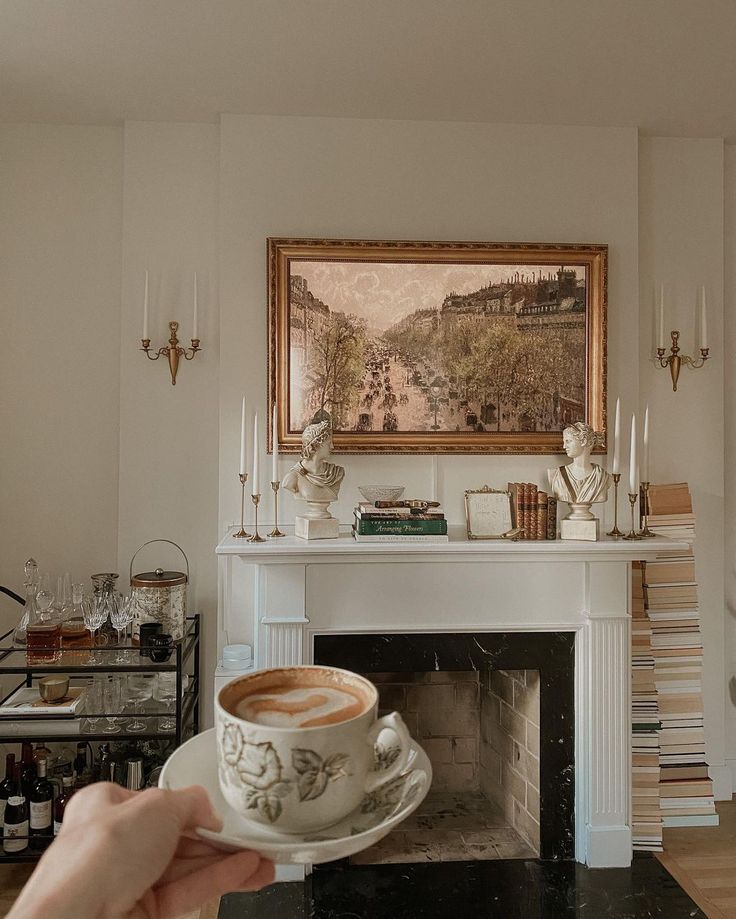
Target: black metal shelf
[(186, 715)]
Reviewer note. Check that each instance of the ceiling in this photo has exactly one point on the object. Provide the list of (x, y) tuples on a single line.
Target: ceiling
[(666, 66)]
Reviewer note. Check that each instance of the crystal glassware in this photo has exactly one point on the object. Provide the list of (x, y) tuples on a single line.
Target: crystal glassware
[(166, 692), (93, 701), (43, 633), (30, 583), (140, 688), (121, 615), (95, 613), (112, 694)]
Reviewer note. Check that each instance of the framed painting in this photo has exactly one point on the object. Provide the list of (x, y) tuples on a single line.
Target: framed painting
[(430, 347)]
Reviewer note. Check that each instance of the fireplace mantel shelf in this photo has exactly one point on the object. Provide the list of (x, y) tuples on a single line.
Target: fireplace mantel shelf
[(290, 549)]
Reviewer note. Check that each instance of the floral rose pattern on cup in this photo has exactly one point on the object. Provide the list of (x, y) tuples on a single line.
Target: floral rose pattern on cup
[(385, 757), (259, 767)]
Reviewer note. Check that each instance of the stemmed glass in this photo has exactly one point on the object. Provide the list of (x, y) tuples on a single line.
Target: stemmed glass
[(93, 703), (140, 688), (166, 693), (112, 693), (121, 615), (95, 613)]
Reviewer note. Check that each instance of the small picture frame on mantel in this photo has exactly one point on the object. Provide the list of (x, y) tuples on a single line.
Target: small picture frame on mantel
[(488, 514)]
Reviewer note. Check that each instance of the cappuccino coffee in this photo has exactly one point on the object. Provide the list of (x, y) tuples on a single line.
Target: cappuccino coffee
[(303, 699)]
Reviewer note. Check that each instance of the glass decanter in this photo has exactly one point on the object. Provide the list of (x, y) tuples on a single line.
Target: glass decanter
[(74, 632), (30, 583), (43, 634)]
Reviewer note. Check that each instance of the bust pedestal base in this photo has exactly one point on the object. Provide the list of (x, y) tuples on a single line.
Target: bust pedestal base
[(316, 527), (585, 530)]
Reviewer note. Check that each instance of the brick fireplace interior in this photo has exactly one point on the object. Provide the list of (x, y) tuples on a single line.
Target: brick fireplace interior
[(481, 733), (495, 714)]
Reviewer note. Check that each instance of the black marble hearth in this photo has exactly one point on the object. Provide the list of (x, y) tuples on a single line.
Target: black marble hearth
[(513, 889), (551, 653)]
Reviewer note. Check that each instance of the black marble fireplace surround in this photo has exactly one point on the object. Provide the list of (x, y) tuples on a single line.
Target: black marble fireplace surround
[(551, 653)]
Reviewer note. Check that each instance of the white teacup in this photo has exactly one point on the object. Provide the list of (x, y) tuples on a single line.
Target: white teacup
[(297, 746)]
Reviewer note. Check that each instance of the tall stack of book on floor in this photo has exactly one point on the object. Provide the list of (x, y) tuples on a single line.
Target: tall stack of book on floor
[(534, 511), (396, 522), (671, 602), (646, 817)]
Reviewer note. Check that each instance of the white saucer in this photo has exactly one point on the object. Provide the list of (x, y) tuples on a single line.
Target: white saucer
[(195, 763)]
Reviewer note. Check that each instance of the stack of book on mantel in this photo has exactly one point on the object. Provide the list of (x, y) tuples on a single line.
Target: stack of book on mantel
[(534, 511), (399, 521), (646, 820), (671, 599)]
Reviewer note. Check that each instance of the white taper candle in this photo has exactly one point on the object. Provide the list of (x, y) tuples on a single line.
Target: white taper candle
[(275, 442), (617, 438), (632, 459), (195, 324), (255, 489), (145, 310), (645, 447), (243, 468), (703, 320), (660, 322)]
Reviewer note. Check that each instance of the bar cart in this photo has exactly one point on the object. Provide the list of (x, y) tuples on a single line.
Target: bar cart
[(184, 662)]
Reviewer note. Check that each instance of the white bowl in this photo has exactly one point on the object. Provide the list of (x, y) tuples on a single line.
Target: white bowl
[(375, 493)]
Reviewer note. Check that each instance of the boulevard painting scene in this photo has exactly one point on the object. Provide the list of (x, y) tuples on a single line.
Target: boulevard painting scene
[(454, 354)]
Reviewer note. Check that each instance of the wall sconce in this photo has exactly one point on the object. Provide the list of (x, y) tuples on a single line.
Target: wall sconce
[(173, 350), (674, 359)]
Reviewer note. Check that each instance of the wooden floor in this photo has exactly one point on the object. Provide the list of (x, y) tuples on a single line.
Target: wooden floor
[(703, 862)]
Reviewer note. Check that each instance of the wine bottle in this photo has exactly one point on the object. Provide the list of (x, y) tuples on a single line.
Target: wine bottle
[(15, 823), (41, 809), (61, 802), (27, 769), (8, 788), (82, 769)]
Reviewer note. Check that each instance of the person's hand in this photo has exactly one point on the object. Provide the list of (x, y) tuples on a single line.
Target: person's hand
[(134, 855)]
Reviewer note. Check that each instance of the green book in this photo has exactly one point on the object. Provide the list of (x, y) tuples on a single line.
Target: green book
[(408, 527)]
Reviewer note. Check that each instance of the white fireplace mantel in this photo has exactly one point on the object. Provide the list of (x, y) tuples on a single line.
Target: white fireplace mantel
[(279, 594)]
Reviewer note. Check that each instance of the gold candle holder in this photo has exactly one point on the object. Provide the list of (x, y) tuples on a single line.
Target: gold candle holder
[(173, 350), (632, 534), (675, 360), (645, 531), (241, 534), (256, 537), (615, 532), (275, 532)]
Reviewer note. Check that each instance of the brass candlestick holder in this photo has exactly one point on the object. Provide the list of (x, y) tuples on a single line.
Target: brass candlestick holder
[(276, 531), (645, 531), (632, 534), (241, 534), (675, 360), (173, 351), (615, 532), (256, 537)]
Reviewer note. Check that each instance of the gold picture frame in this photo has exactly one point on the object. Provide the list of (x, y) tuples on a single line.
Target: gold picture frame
[(489, 514), (551, 307)]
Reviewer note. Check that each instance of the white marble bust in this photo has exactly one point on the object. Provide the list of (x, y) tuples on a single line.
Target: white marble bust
[(315, 480), (580, 483)]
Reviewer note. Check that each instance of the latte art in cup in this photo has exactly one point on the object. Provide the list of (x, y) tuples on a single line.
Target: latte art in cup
[(300, 706)]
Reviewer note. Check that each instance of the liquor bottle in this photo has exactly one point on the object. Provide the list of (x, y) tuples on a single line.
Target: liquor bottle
[(61, 802), (8, 788), (74, 633), (27, 769), (82, 768), (42, 752), (105, 767), (41, 802), (43, 635), (15, 823)]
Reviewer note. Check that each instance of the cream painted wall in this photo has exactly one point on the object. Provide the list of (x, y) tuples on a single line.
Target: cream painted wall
[(413, 180), (169, 434), (729, 348), (681, 245), (60, 232)]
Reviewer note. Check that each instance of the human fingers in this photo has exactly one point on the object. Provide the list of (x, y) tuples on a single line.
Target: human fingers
[(187, 807), (88, 803), (227, 873)]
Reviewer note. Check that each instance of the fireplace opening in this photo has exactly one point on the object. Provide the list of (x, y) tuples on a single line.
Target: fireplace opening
[(480, 731), (495, 714)]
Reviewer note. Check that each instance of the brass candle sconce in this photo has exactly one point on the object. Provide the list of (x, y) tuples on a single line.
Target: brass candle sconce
[(173, 351), (675, 360)]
